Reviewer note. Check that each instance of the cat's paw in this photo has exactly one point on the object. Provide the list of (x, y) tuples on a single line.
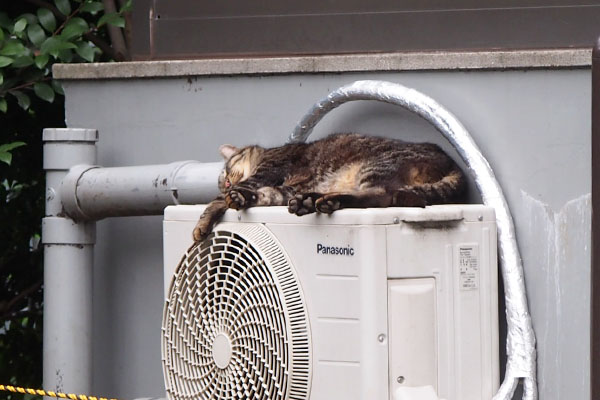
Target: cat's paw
[(328, 204), (240, 198), (202, 229), (302, 204), (408, 198)]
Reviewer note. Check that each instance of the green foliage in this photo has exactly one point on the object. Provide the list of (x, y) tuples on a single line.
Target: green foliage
[(34, 34), (5, 151), (63, 31)]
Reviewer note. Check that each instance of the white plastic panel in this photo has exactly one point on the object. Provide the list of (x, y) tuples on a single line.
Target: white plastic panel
[(461, 256), (412, 333), (346, 296)]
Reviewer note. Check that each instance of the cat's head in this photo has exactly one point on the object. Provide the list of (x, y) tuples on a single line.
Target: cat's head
[(240, 164)]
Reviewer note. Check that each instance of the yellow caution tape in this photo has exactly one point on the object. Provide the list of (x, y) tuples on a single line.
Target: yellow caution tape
[(40, 392)]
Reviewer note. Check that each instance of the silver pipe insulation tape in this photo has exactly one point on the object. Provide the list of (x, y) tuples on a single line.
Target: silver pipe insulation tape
[(520, 342)]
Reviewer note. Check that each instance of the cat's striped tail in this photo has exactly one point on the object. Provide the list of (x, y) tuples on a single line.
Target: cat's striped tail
[(450, 189)]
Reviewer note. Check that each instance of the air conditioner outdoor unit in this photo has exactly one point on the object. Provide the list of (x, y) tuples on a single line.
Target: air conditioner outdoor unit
[(370, 304)]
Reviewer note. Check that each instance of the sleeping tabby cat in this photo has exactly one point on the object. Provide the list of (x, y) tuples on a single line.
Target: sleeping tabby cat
[(340, 171)]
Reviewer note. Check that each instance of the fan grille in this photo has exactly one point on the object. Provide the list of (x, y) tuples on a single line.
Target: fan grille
[(234, 324)]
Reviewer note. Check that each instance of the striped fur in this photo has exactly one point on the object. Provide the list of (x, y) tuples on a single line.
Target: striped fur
[(340, 171)]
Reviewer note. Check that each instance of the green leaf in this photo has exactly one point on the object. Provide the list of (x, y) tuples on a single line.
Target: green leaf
[(4, 61), (53, 45), (5, 157), (85, 51), (3, 105), (23, 100), (65, 55), (1, 78), (13, 47), (44, 91), (75, 27), (47, 19), (20, 25), (41, 60), (92, 7), (36, 34), (31, 19), (1, 35), (5, 149), (11, 146), (57, 87), (5, 21), (64, 6), (20, 35), (127, 7), (113, 19), (23, 61)]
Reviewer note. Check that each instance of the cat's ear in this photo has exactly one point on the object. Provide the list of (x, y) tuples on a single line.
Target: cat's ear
[(227, 151)]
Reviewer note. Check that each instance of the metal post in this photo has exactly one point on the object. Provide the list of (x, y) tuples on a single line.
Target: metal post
[(68, 260)]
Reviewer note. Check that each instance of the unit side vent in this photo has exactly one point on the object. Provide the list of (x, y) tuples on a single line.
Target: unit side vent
[(235, 325)]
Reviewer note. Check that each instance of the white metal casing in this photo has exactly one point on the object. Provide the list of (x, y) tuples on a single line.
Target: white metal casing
[(412, 301)]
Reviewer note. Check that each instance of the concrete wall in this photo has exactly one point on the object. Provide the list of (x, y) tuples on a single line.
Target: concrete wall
[(532, 125)]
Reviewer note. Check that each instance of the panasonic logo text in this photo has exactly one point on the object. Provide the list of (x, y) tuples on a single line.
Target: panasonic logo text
[(335, 250)]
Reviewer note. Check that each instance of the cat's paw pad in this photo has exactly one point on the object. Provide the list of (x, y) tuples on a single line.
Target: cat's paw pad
[(408, 198), (240, 198), (328, 204), (302, 204)]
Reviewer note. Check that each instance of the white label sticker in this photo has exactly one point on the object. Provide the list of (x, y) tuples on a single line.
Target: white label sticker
[(468, 263)]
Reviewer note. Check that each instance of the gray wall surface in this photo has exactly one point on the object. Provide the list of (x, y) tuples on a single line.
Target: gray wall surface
[(533, 126)]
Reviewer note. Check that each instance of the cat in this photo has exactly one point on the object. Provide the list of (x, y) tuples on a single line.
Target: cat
[(339, 171)]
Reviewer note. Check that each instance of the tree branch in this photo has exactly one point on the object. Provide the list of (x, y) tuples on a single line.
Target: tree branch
[(25, 85), (115, 33), (105, 47), (7, 307)]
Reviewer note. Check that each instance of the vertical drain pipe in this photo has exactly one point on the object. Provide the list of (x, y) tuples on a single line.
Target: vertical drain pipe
[(68, 260)]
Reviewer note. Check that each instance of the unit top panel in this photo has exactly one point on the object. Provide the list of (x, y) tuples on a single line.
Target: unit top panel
[(357, 216)]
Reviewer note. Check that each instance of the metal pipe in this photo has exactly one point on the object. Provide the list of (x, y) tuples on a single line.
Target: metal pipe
[(521, 353), (68, 258), (91, 193), (77, 194)]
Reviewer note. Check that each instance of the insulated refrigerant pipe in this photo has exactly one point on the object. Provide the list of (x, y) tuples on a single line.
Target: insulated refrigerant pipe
[(521, 352)]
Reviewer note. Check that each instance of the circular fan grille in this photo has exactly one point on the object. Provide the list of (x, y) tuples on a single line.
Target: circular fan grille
[(234, 324)]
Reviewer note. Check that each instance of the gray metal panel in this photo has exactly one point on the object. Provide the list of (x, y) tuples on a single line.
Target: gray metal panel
[(211, 9), (192, 29), (534, 127)]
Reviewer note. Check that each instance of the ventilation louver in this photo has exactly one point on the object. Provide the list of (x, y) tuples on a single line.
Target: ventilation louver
[(235, 323)]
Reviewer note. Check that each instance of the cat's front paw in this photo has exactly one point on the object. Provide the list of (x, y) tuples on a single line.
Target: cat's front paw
[(240, 198), (302, 204), (202, 229)]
